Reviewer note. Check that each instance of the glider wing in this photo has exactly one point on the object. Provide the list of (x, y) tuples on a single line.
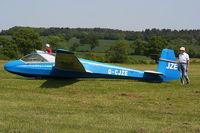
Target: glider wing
[(66, 60)]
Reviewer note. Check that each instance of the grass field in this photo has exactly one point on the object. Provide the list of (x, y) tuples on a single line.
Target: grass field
[(98, 105)]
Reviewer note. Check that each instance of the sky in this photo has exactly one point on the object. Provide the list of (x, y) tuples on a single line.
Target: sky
[(131, 15)]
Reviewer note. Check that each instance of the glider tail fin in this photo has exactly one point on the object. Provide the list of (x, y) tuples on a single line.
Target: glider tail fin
[(168, 66)]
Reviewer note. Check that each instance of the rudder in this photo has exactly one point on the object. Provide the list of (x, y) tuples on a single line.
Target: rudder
[(168, 66)]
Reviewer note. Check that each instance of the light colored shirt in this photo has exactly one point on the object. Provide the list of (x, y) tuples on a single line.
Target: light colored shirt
[(184, 58)]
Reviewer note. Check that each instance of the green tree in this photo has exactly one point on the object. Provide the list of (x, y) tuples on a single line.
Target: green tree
[(84, 39), (90, 39), (191, 52), (3, 40), (56, 42), (155, 46), (74, 46), (93, 41), (27, 40), (8, 48), (139, 46), (118, 52), (67, 37)]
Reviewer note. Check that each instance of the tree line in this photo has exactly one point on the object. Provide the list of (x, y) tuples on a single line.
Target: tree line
[(192, 37), (23, 40)]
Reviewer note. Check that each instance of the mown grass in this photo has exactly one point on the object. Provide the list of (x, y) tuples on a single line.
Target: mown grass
[(98, 105)]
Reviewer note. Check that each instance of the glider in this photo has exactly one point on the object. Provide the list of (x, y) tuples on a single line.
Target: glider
[(66, 65)]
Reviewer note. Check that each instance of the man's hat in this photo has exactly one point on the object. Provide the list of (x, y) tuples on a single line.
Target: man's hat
[(47, 45), (182, 48)]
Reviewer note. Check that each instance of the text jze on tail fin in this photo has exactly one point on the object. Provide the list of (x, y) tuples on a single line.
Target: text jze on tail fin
[(168, 66)]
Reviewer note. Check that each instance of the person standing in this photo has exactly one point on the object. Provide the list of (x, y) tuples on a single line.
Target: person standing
[(48, 49), (184, 62)]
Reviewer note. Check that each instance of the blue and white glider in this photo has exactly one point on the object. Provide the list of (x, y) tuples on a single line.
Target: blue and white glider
[(66, 65)]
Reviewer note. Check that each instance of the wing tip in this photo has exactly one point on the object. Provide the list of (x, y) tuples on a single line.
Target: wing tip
[(64, 51)]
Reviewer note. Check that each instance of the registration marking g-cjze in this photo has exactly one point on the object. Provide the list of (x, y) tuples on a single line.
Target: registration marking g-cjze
[(118, 72)]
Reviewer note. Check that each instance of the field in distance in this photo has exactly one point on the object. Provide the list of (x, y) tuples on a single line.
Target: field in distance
[(98, 105)]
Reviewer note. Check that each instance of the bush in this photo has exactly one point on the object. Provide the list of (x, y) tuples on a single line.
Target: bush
[(3, 57), (118, 52)]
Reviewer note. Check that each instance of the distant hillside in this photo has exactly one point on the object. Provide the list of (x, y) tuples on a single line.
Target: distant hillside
[(191, 36)]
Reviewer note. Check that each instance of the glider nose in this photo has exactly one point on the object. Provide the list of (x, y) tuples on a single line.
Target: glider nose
[(10, 66)]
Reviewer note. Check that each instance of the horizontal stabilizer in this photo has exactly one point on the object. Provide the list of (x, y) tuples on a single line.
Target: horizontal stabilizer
[(66, 60), (153, 72)]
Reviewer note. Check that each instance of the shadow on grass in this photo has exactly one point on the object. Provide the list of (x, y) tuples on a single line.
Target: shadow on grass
[(56, 83)]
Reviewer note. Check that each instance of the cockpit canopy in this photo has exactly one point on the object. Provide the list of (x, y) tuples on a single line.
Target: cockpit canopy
[(39, 57)]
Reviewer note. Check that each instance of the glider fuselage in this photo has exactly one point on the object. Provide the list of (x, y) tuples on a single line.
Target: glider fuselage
[(66, 65), (93, 70)]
